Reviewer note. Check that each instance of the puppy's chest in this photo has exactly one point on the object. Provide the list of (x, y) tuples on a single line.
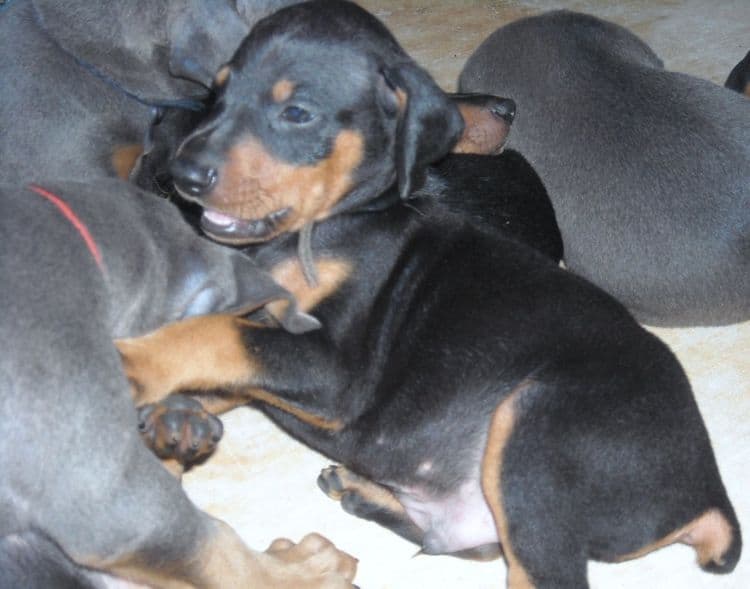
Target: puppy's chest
[(315, 283)]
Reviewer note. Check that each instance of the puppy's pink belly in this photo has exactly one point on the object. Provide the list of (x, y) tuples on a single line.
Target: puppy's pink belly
[(452, 523)]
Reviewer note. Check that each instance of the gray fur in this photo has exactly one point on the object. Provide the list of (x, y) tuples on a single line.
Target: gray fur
[(648, 170), (73, 465), (59, 117)]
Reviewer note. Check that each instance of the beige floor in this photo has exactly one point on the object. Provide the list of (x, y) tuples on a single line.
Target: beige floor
[(263, 483)]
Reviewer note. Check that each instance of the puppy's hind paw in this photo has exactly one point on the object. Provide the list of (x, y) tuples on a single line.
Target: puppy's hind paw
[(313, 563), (358, 495)]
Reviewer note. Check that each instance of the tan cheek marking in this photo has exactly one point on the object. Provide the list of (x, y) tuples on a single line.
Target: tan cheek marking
[(747, 89), (332, 273), (501, 428), (222, 76), (335, 174), (710, 535), (249, 182), (124, 159), (282, 90), (253, 184)]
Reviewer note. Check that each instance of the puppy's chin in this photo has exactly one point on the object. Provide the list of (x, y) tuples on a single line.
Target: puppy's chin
[(232, 230)]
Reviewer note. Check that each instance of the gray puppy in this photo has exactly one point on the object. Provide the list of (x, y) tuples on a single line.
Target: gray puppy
[(81, 79), (82, 265), (648, 170)]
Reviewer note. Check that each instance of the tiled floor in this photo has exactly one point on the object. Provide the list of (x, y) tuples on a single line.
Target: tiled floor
[(263, 483)]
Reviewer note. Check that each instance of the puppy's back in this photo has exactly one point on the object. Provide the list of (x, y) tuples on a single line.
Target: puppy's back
[(647, 169)]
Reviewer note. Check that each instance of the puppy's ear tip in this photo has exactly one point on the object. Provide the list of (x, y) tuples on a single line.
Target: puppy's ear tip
[(429, 126), (505, 108), (297, 321)]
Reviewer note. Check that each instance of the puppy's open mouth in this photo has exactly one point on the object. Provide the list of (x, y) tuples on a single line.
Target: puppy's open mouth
[(227, 229)]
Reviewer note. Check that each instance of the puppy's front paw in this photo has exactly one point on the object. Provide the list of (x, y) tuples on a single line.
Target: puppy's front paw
[(314, 563), (178, 428)]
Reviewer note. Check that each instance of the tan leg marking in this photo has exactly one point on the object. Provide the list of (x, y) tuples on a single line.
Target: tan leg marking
[(710, 535), (501, 428), (225, 562), (317, 421), (203, 354), (200, 353), (124, 158), (372, 492), (174, 468)]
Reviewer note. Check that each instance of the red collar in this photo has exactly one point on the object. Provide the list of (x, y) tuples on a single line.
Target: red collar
[(68, 213)]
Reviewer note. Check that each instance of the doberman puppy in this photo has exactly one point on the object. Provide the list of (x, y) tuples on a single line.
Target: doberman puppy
[(739, 78), (107, 261), (493, 192), (81, 78), (648, 170), (474, 392)]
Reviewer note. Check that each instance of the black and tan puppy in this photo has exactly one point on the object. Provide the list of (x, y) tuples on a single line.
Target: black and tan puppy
[(83, 264), (475, 393), (648, 169), (81, 79)]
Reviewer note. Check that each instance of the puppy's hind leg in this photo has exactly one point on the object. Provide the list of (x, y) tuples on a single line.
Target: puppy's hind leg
[(540, 550), (111, 506), (367, 500), (151, 533)]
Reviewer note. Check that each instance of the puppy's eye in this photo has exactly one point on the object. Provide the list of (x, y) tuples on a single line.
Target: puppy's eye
[(296, 115)]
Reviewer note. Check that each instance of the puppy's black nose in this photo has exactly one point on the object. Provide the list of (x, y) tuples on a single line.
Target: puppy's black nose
[(505, 108), (191, 178)]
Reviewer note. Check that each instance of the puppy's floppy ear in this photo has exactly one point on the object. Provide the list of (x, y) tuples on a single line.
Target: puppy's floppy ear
[(428, 127), (487, 122)]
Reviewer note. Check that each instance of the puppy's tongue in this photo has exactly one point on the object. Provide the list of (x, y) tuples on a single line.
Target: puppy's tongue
[(217, 218), (228, 229)]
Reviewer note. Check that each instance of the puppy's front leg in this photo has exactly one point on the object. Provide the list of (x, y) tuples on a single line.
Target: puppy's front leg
[(226, 361), (197, 354)]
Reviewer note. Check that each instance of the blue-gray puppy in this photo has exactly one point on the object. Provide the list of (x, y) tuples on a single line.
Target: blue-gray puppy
[(82, 265), (81, 78), (648, 170)]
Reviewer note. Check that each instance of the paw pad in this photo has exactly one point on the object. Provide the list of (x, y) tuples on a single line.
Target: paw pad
[(179, 428)]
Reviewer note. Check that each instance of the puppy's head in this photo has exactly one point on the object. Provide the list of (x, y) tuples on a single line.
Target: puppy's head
[(319, 111)]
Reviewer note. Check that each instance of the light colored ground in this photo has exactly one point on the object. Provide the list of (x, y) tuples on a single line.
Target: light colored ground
[(263, 483)]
